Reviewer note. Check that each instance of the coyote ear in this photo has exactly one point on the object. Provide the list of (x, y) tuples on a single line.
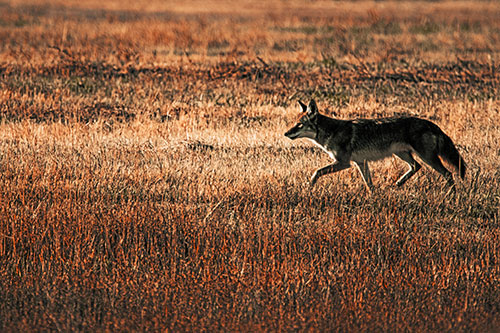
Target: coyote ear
[(303, 106), (313, 108)]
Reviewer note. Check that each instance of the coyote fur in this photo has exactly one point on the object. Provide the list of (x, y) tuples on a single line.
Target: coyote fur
[(364, 140)]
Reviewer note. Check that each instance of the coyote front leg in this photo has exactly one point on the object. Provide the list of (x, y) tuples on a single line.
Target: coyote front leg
[(337, 166), (365, 173)]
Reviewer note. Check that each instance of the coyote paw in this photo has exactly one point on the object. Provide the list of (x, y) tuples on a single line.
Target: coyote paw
[(314, 179)]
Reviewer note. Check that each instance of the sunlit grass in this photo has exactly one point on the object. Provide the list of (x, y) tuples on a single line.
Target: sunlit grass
[(145, 182)]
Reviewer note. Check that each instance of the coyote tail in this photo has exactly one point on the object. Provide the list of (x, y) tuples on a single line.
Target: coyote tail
[(449, 152)]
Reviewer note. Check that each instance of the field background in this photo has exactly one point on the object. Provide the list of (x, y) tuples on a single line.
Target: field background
[(145, 182)]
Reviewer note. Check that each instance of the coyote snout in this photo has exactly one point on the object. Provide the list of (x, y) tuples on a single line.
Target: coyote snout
[(364, 140)]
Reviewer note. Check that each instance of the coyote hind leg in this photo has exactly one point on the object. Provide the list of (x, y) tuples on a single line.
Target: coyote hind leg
[(414, 167), (436, 164)]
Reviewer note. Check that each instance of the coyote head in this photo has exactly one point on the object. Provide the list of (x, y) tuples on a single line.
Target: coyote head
[(307, 126)]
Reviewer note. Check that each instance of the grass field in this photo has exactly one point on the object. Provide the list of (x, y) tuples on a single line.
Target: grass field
[(145, 182)]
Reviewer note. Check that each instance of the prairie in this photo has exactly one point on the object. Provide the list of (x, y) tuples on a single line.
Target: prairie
[(145, 182)]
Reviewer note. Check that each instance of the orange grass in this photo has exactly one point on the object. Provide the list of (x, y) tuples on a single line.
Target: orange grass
[(145, 182)]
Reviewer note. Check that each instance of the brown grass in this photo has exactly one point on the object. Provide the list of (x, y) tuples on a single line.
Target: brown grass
[(145, 182)]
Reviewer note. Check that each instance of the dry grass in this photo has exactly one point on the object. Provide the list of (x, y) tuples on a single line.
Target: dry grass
[(145, 182)]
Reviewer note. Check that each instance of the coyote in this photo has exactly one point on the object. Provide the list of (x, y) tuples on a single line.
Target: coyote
[(363, 140)]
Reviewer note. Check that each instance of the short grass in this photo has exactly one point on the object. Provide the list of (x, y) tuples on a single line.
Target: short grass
[(145, 182)]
